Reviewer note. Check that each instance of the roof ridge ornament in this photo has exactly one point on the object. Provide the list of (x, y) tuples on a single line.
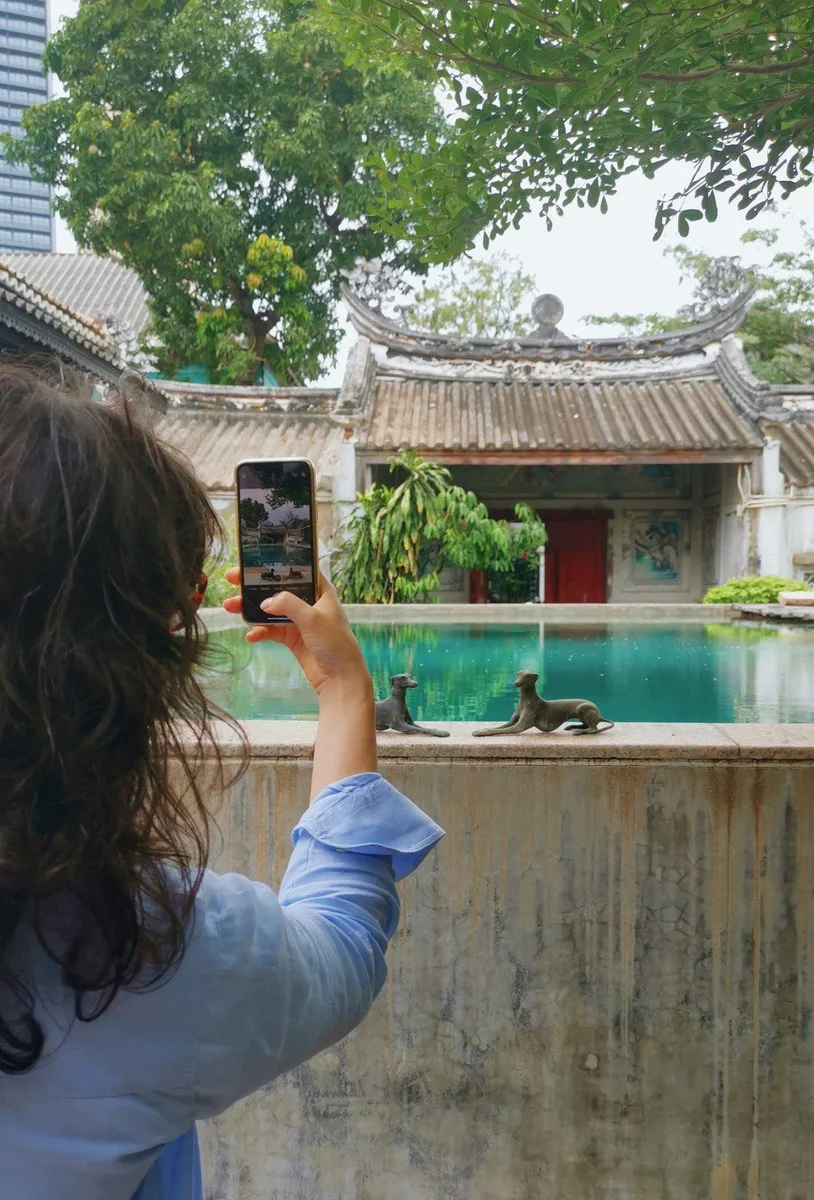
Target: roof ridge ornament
[(547, 311)]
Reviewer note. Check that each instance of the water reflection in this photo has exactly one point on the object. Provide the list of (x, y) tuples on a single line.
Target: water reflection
[(634, 673)]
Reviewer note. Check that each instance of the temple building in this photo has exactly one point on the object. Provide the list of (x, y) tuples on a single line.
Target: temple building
[(659, 464)]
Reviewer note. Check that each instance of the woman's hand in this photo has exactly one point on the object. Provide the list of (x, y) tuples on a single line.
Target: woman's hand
[(322, 642), (320, 639)]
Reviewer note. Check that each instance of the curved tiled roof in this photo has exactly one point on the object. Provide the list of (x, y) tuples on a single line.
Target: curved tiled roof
[(41, 309), (482, 418), (87, 284)]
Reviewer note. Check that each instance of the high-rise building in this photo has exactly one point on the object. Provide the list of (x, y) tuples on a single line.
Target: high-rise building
[(26, 222)]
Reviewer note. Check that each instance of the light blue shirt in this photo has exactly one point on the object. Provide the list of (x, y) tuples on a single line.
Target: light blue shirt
[(109, 1111)]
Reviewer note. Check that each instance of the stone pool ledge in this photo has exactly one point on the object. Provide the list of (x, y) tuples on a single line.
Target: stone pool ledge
[(512, 614), (642, 742)]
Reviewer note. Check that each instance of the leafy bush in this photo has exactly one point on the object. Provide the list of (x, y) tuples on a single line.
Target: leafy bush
[(217, 565), (519, 584), (399, 539), (753, 589)]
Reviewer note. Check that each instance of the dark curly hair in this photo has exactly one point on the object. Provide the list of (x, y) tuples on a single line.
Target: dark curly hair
[(104, 729)]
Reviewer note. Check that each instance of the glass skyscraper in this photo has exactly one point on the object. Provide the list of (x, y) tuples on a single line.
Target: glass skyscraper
[(26, 222)]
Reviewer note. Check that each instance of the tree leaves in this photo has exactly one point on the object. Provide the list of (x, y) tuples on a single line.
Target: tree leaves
[(192, 132), (479, 298), (588, 93)]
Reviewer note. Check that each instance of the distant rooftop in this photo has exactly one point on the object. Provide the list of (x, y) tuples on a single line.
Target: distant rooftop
[(93, 287)]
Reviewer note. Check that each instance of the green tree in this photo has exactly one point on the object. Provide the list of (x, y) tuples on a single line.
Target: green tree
[(400, 538), (778, 333), (558, 100), (480, 298), (295, 491), (222, 149), (252, 512)]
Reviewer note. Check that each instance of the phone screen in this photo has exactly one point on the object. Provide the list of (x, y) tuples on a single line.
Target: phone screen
[(277, 533)]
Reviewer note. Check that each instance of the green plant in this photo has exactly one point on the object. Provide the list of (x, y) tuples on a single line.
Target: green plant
[(222, 149), (225, 556), (400, 538), (517, 585), (753, 589)]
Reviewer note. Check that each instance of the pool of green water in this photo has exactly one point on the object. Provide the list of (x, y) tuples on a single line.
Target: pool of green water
[(715, 673)]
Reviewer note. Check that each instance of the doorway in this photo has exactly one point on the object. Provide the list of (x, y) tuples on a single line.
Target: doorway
[(576, 556)]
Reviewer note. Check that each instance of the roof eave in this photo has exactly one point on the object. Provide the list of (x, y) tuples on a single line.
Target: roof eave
[(382, 330)]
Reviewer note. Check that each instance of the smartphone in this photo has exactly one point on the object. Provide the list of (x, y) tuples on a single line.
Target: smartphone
[(277, 533)]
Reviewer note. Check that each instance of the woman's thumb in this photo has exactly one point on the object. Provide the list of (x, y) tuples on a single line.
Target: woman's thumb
[(286, 604)]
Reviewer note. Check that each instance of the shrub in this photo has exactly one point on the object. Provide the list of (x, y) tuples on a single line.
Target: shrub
[(753, 589), (399, 539)]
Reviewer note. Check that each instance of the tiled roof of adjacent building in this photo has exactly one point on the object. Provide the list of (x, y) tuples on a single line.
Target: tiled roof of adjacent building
[(796, 437), (215, 442), (236, 398), (86, 283)]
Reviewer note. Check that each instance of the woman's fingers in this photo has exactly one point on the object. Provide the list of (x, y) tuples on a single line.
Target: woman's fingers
[(233, 604), (288, 636), (273, 633)]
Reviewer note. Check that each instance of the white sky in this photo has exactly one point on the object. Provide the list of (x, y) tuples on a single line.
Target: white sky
[(603, 264)]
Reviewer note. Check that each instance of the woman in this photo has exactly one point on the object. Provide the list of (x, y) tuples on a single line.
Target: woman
[(139, 991)]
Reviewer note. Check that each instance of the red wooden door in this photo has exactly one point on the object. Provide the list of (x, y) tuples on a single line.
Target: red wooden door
[(576, 557)]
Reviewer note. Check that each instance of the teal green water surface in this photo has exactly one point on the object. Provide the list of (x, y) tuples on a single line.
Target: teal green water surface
[(716, 673)]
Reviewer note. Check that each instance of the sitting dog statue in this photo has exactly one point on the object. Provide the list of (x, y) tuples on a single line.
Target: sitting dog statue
[(393, 713)]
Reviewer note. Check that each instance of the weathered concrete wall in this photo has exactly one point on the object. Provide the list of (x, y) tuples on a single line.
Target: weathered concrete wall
[(602, 988)]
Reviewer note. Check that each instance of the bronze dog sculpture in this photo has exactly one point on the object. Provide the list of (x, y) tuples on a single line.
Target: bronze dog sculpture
[(533, 712), (393, 713)]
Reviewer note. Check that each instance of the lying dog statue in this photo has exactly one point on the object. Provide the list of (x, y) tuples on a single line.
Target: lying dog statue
[(580, 716)]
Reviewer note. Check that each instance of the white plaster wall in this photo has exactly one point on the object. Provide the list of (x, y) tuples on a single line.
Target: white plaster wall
[(781, 523), (342, 499), (733, 532), (800, 535), (771, 522)]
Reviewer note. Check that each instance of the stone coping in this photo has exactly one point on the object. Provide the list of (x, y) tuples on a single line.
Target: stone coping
[(626, 742), (510, 614), (776, 612)]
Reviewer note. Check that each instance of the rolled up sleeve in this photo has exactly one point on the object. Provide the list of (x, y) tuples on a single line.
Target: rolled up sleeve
[(293, 974)]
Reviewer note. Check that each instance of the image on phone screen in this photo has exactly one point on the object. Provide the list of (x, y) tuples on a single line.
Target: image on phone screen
[(277, 533)]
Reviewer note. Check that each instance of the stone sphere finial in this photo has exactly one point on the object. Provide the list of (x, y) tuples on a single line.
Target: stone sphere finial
[(547, 311)]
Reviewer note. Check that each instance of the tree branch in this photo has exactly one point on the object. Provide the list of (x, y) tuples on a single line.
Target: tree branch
[(459, 56), (729, 69)]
